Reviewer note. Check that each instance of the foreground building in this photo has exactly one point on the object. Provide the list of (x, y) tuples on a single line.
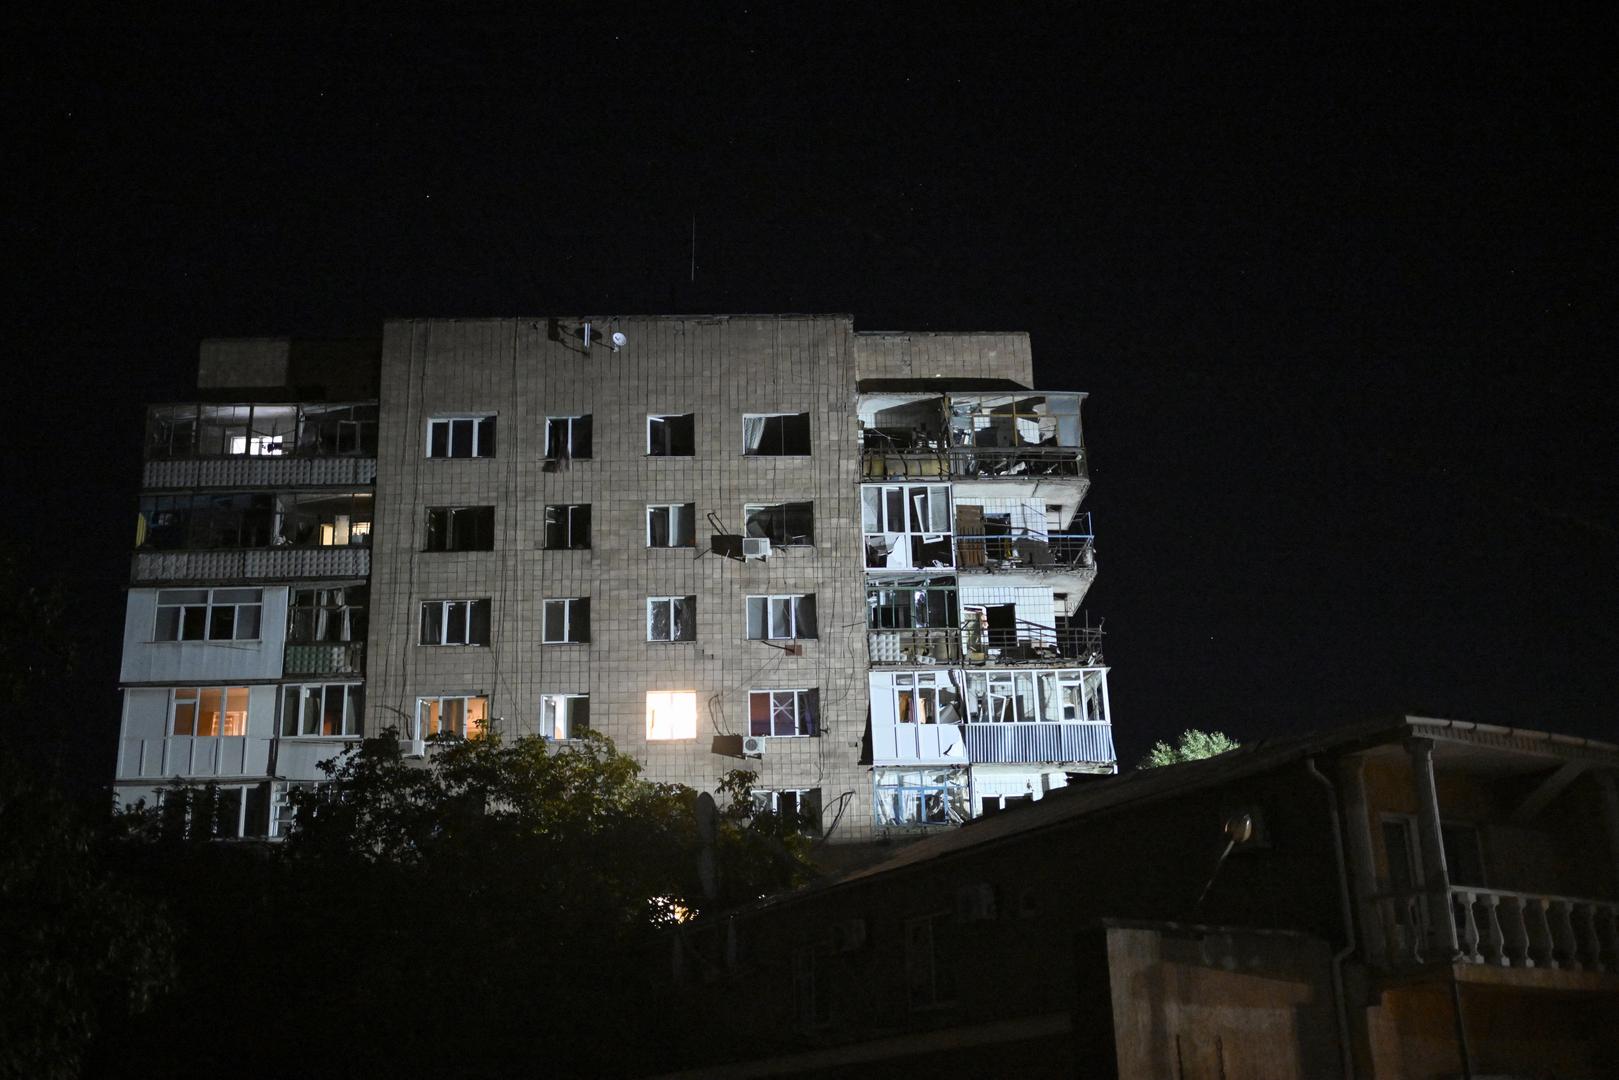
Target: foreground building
[(1410, 898), (850, 562)]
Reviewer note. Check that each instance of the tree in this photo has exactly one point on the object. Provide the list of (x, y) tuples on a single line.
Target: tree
[(1193, 745)]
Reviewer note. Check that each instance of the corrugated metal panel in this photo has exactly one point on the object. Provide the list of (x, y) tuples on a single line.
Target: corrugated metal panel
[(342, 658), (191, 756), (258, 564), (1029, 742), (260, 472)]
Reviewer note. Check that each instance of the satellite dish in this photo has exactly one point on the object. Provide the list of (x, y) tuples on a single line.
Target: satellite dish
[(619, 341)]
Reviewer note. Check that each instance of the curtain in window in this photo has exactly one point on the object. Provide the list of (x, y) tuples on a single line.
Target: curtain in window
[(753, 433), (805, 612)]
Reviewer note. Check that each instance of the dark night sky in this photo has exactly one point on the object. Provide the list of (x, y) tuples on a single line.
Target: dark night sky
[(1343, 294)]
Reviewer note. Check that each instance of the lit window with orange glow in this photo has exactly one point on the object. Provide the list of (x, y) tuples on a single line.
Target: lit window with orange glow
[(671, 714)]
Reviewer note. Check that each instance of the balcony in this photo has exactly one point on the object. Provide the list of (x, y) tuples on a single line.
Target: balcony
[(259, 472), (193, 756), (326, 658), (1015, 743), (251, 564), (1023, 644), (1024, 550), (926, 462), (1501, 929)]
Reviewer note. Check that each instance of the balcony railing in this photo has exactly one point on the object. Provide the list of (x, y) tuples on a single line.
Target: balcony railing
[(1504, 929), (326, 658), (259, 472), (1025, 643), (188, 756), (971, 462), (1040, 741), (1025, 550), (251, 564)]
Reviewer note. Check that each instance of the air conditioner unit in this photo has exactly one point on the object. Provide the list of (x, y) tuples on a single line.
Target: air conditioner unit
[(755, 547), (848, 935), (975, 903), (753, 745)]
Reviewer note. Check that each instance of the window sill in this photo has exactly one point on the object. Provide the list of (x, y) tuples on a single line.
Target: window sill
[(564, 643), (452, 645)]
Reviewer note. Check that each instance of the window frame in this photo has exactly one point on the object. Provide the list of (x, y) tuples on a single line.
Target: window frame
[(419, 728), (208, 606), (477, 435), (196, 696), (570, 452), (564, 706), (351, 720), (690, 618), (468, 622), (351, 614), (569, 524), (569, 618), (668, 440), (670, 509), (448, 531), (806, 712), (794, 606), (807, 811), (809, 434)]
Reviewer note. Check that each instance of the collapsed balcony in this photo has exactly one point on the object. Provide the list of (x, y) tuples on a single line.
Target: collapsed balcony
[(987, 646), (999, 549)]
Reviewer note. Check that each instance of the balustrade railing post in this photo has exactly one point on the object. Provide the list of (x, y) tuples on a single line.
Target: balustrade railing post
[(1564, 945), (1607, 931), (1493, 947), (1589, 946), (1515, 934), (1541, 947), (1467, 925)]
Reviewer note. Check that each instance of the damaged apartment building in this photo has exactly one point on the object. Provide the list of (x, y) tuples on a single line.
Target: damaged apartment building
[(852, 562)]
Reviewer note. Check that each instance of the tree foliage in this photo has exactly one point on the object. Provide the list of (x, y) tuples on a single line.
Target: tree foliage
[(1193, 745)]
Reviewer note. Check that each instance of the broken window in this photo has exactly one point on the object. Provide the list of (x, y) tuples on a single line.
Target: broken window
[(911, 602), (781, 618), (462, 715), (243, 520), (461, 437), (926, 697), (906, 526), (208, 614), (789, 524), (799, 807), (671, 435), (564, 716), (671, 618), (319, 616), (335, 430), (566, 621), (323, 710), (460, 528), (912, 797), (783, 713), (325, 520), (1074, 695), (567, 526), (671, 714), (775, 434), (567, 438), (260, 430), (671, 525), (208, 711), (454, 622)]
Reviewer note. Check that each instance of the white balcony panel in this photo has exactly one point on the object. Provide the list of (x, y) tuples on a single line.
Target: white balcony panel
[(183, 662), (193, 757), (260, 472), (1040, 741), (299, 759), (252, 564)]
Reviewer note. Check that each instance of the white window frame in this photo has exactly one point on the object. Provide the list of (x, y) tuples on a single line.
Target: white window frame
[(673, 511), (653, 418), (805, 710), (561, 725), (568, 619), (568, 452), (194, 695), (448, 615), (351, 722), (466, 700), (571, 525), (808, 423), (768, 800), (674, 701), (668, 603), (476, 420), (790, 603), (209, 603)]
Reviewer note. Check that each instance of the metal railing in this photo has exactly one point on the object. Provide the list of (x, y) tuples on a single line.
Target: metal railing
[(1024, 643), (975, 462), (1026, 549), (1502, 929)]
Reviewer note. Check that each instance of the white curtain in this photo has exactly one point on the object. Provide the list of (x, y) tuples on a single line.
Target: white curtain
[(753, 433)]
